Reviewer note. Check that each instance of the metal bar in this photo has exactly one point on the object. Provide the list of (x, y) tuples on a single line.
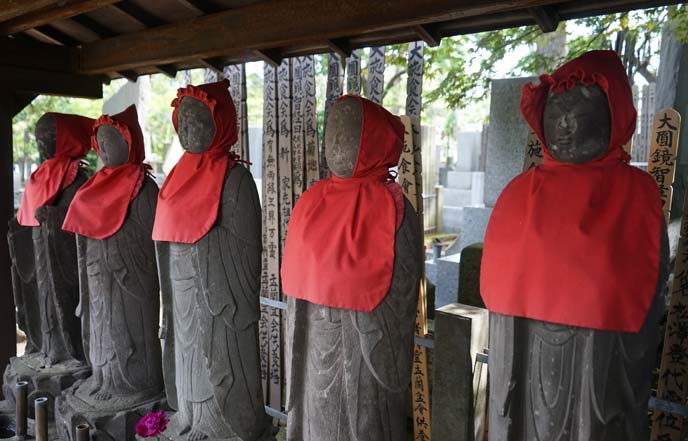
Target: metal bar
[(273, 303), (275, 413)]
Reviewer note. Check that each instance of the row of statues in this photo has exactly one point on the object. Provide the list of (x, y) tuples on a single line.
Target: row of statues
[(95, 261)]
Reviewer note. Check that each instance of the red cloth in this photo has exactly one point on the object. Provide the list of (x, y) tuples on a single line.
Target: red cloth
[(577, 244), (190, 197), (100, 206), (339, 248), (72, 143)]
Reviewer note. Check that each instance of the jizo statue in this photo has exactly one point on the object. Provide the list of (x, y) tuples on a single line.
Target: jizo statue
[(119, 307), (208, 238), (351, 269), (46, 306), (574, 268)]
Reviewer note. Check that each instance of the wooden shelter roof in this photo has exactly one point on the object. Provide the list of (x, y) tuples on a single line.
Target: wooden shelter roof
[(81, 43)]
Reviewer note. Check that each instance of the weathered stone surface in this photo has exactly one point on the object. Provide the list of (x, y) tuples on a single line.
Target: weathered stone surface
[(506, 138), (447, 287), (119, 309), (210, 313), (469, 275), (553, 381), (459, 393), (349, 371)]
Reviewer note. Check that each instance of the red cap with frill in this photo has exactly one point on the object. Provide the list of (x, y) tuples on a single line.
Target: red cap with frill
[(189, 200), (72, 144), (577, 244), (100, 207), (339, 249)]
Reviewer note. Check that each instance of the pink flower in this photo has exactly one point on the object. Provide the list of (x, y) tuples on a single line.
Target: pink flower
[(152, 424)]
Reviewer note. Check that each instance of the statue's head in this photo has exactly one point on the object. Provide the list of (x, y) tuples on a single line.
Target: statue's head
[(195, 125), (343, 136), (46, 135), (114, 149), (577, 124)]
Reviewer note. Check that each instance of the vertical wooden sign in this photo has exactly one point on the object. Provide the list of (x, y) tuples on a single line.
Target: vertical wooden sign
[(410, 168), (408, 176), (335, 76), (233, 74), (310, 116), (353, 73), (533, 156), (376, 74), (284, 162), (673, 371), (270, 323), (663, 148), (297, 130)]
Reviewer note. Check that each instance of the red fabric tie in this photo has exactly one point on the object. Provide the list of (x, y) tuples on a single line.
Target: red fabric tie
[(100, 206), (577, 244), (72, 143), (339, 248), (190, 197)]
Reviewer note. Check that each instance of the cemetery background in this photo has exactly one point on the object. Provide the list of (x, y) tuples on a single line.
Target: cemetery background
[(473, 135)]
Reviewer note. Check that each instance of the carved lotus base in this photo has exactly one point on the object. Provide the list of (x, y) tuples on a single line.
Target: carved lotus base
[(43, 381), (110, 420)]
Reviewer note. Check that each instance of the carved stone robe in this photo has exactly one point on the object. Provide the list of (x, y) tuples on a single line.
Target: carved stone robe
[(211, 311), (120, 303), (558, 382), (349, 371), (58, 283)]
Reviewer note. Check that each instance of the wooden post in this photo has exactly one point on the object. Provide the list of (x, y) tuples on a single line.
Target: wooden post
[(8, 335)]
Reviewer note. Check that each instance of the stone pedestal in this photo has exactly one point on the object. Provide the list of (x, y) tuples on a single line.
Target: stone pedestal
[(172, 434), (460, 393), (111, 420), (43, 381)]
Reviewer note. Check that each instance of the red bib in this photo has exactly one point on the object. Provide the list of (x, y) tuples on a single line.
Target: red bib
[(100, 206), (72, 143), (577, 244), (190, 197), (339, 249)]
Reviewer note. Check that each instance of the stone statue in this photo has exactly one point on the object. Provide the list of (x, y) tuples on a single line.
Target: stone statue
[(46, 287), (119, 304), (348, 370), (210, 277), (554, 381)]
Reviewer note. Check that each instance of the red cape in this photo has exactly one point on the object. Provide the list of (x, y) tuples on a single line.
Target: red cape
[(72, 143), (100, 206), (577, 244), (190, 197), (339, 249)]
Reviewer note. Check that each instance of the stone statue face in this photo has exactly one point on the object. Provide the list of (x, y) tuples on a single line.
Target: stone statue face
[(114, 149), (195, 125), (46, 135), (577, 124), (343, 136)]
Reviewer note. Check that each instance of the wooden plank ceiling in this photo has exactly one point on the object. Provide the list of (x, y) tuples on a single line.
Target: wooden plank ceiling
[(107, 39)]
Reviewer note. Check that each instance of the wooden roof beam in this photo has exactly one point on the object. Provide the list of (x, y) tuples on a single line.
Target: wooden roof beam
[(129, 75), (52, 83), (270, 24), (16, 52), (341, 46), (56, 11), (168, 70), (93, 26), (547, 17), (139, 15), (428, 34), (10, 9), (269, 56), (21, 100), (214, 64), (199, 7)]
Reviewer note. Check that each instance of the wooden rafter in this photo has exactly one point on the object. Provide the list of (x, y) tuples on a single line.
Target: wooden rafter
[(55, 83), (140, 15), (56, 11), (547, 17), (429, 34), (270, 24)]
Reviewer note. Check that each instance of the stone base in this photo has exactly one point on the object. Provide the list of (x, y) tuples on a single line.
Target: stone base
[(173, 429), (43, 381), (110, 420)]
